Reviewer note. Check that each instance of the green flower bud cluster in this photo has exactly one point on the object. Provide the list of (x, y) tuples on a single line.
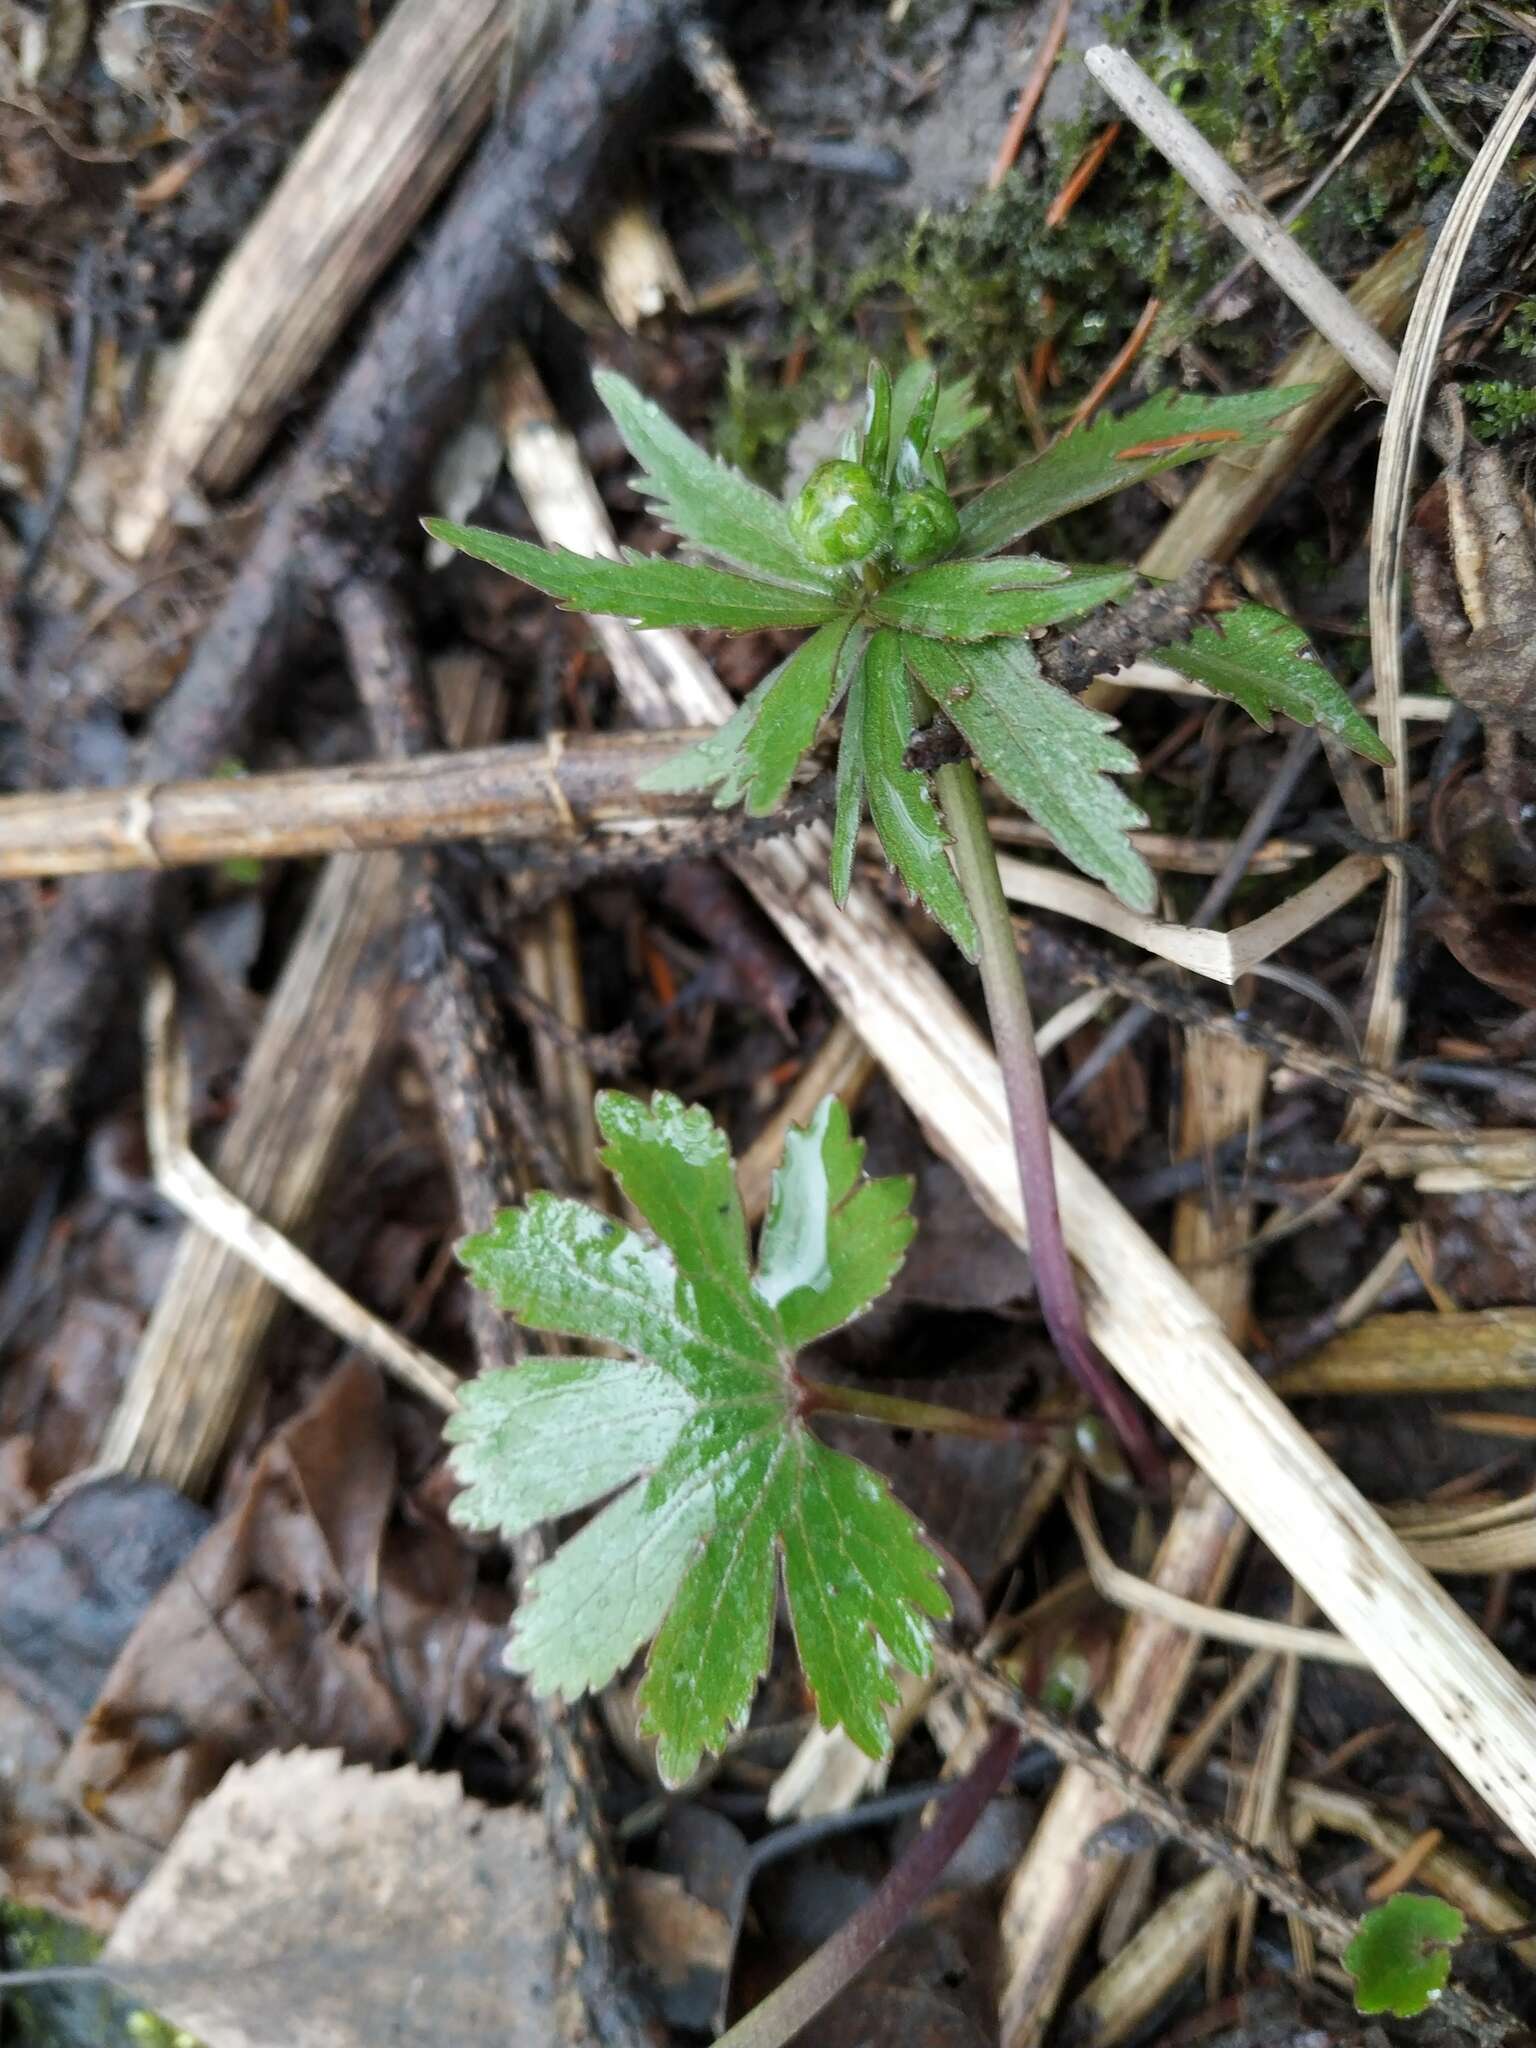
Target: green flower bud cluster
[(863, 506)]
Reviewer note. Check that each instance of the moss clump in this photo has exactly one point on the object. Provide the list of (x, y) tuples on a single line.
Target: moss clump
[(1271, 84)]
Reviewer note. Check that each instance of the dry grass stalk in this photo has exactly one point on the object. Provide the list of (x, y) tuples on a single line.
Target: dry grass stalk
[(324, 1023), (551, 791), (1421, 1351), (364, 176), (182, 1177), (1219, 956), (1178, 853), (1217, 1624), (1407, 405), (1144, 1316)]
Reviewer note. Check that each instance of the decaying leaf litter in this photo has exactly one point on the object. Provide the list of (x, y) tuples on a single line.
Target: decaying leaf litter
[(172, 583)]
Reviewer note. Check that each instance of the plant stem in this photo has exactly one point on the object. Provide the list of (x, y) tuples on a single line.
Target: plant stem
[(900, 1413), (810, 1989), (1013, 1034)]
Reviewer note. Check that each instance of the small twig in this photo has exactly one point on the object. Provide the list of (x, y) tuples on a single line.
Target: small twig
[(1214, 1844), (1407, 68), (1154, 616), (1030, 94), (1373, 360), (183, 1179), (1183, 1006), (1168, 1813)]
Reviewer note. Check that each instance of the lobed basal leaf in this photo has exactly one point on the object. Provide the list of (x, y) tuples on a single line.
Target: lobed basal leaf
[(700, 1437)]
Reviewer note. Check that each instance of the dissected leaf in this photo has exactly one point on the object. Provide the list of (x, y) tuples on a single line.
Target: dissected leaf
[(702, 500), (1265, 663), (1050, 753), (754, 755), (900, 800), (706, 1422), (1087, 465), (1400, 1957), (982, 600), (651, 590)]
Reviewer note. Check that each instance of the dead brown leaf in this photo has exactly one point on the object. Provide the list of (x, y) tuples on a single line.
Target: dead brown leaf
[(318, 1612)]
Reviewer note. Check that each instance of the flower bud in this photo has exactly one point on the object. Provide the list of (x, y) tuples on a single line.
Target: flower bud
[(926, 525), (841, 516)]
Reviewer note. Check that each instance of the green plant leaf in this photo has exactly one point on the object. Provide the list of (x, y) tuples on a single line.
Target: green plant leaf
[(1094, 463), (1051, 754), (705, 502), (651, 590), (901, 803), (701, 1437), (956, 414), (983, 600), (754, 755), (849, 812), (1265, 663), (832, 1241), (1400, 1958)]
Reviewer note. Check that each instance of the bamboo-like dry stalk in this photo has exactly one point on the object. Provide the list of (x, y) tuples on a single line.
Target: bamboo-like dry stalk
[(364, 176), (1144, 1316), (555, 791)]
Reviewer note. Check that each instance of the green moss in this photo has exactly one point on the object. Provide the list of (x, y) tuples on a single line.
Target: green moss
[(1271, 84), (1500, 408)]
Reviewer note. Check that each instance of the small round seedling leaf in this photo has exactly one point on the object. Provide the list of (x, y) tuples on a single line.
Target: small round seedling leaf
[(1400, 1959)]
